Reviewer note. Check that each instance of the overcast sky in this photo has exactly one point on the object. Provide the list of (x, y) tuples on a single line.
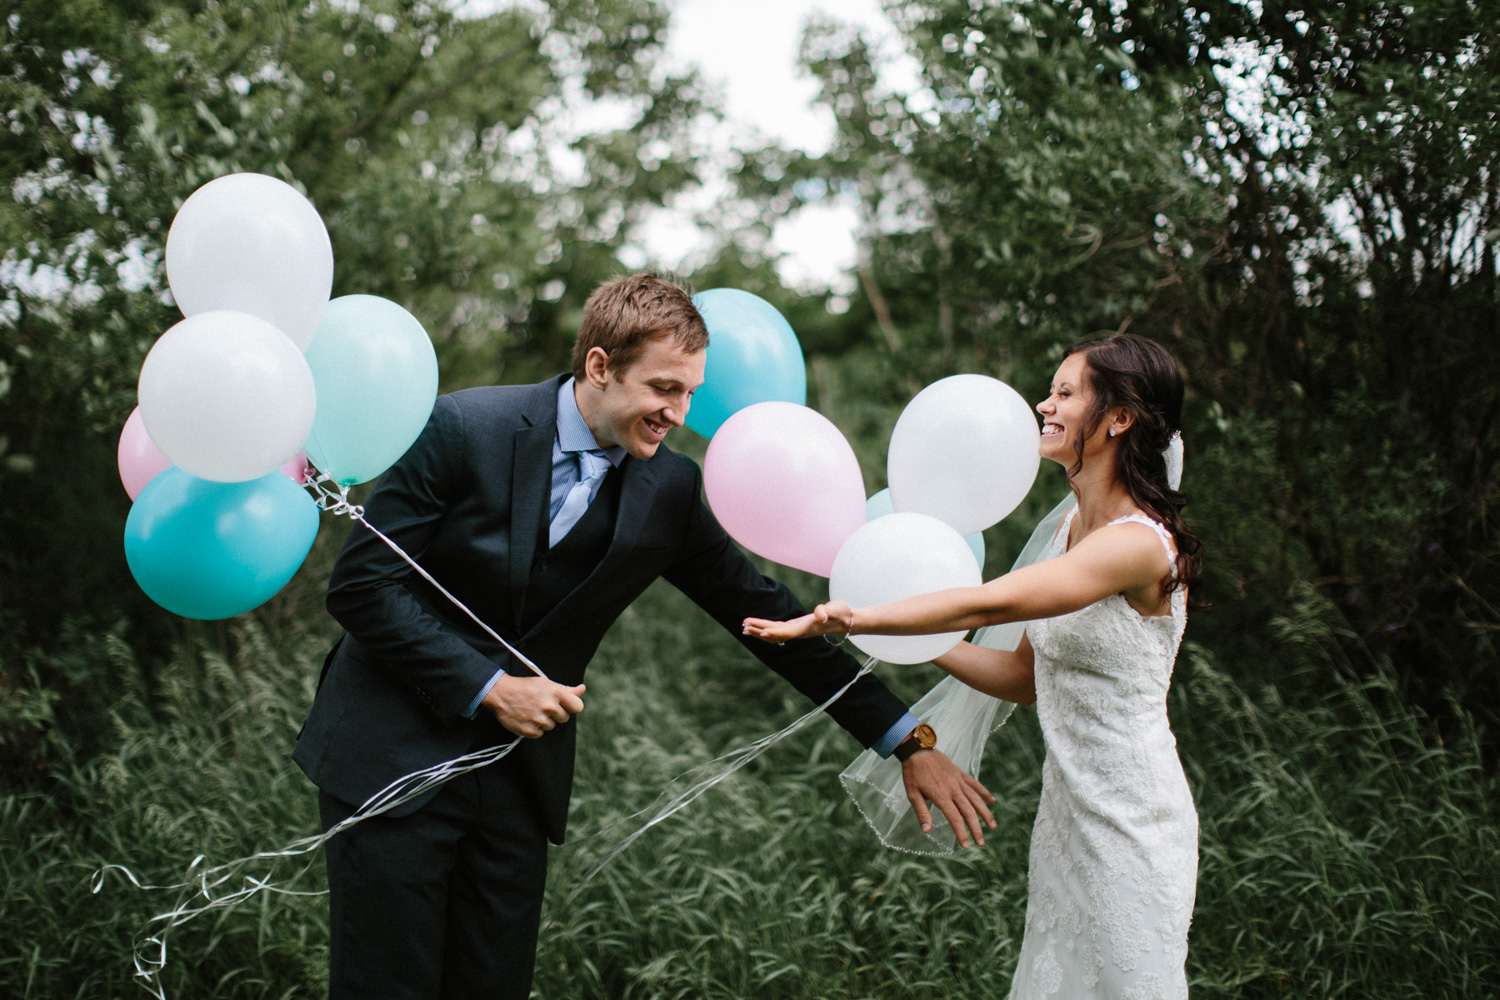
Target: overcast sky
[(749, 48)]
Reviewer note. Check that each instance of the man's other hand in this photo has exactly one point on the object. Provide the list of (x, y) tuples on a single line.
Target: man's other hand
[(530, 706), (932, 777)]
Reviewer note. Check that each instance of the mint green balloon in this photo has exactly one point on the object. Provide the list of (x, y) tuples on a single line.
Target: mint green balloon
[(377, 376)]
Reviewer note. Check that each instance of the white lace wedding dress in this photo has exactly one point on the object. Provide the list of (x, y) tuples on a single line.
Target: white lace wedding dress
[(1114, 854)]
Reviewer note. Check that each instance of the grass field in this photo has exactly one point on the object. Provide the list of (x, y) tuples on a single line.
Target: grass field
[(1344, 852)]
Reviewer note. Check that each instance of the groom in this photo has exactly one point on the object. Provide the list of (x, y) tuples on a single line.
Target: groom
[(546, 509)]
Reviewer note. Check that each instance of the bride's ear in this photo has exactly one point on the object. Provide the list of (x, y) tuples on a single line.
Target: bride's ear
[(1120, 421)]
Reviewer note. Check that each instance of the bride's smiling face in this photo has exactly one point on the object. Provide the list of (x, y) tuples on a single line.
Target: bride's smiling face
[(1065, 410)]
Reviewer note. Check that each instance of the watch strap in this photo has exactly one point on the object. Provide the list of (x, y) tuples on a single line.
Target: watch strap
[(921, 738)]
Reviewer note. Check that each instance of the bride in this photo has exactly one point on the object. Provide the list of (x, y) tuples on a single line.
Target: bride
[(1114, 853)]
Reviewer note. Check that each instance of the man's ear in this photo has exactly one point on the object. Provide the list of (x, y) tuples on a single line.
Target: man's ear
[(596, 367)]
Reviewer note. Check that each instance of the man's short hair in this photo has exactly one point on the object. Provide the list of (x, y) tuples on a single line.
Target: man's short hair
[(624, 314)]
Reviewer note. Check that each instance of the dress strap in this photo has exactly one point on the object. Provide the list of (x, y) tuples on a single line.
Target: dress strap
[(1161, 533), (1067, 520), (1060, 539)]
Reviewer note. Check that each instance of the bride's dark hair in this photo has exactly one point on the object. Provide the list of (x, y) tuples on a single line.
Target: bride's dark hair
[(1126, 370)]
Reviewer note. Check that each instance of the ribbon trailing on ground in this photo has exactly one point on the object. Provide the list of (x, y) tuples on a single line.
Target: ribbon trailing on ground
[(211, 884), (220, 887)]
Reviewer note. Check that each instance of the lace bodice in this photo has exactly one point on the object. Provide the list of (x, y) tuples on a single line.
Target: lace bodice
[(1114, 851), (1102, 678)]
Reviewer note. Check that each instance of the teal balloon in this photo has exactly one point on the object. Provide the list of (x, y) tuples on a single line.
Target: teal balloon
[(377, 377), (211, 550), (753, 357), (879, 505)]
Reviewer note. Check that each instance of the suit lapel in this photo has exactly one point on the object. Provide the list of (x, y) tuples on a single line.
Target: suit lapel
[(635, 501), (530, 487)]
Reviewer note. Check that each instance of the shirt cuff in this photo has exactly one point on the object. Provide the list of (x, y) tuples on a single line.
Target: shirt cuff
[(887, 744), (473, 708)]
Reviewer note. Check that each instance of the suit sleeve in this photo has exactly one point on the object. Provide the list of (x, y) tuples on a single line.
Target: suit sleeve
[(720, 579), (370, 592)]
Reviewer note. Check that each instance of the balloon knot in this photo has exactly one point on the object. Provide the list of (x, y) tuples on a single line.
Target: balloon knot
[(331, 501)]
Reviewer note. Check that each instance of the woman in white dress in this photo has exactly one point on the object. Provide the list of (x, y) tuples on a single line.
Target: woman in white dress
[(1114, 853)]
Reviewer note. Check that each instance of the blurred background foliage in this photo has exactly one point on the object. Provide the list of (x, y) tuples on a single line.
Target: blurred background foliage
[(1300, 203)]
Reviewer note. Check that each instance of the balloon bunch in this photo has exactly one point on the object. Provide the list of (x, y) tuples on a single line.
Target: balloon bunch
[(262, 375), (962, 456), (785, 483)]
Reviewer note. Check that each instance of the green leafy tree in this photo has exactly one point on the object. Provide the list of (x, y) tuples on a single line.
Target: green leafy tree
[(1299, 203), (445, 148)]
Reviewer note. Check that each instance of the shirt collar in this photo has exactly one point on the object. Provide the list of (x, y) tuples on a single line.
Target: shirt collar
[(573, 432)]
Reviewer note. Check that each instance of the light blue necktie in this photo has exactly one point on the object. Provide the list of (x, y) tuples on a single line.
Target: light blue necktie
[(592, 467)]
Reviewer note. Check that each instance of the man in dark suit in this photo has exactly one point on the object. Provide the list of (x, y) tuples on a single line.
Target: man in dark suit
[(546, 509)]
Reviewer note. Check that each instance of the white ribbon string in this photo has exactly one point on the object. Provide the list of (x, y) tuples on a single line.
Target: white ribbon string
[(338, 503), (209, 884), (209, 881)]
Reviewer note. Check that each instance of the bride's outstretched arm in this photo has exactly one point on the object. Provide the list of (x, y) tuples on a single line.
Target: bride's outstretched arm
[(995, 672), (1124, 557)]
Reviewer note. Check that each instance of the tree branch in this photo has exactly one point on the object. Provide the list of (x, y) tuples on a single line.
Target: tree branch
[(427, 96), (877, 303)]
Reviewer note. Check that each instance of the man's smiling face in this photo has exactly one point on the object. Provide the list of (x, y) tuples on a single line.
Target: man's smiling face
[(635, 408)]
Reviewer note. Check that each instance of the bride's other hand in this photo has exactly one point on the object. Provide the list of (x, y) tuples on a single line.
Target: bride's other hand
[(833, 618)]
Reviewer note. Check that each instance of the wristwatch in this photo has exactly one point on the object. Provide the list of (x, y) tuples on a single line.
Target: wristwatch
[(921, 738)]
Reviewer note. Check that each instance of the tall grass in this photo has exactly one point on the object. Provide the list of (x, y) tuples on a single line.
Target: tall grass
[(199, 767), (1344, 851)]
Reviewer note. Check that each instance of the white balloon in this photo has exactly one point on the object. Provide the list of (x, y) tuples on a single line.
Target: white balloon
[(252, 244), (879, 505), (895, 557), (226, 396), (964, 451)]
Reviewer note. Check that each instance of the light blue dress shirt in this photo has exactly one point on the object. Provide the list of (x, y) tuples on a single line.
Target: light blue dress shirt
[(573, 435)]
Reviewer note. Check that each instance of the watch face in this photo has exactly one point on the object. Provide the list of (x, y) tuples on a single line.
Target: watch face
[(926, 736)]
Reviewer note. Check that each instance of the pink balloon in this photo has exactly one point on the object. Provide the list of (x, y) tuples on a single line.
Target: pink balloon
[(140, 461), (785, 484), (295, 468)]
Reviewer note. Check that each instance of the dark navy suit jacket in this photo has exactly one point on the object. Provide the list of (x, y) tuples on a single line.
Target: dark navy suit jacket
[(468, 502)]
